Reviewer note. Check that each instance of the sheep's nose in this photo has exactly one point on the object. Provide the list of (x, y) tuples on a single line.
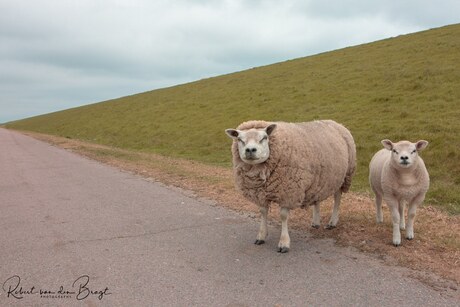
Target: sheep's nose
[(404, 158), (251, 150)]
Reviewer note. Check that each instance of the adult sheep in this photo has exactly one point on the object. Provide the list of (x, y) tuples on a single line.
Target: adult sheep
[(398, 175), (293, 165)]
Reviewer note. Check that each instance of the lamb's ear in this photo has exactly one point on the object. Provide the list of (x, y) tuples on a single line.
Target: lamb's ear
[(421, 145), (233, 133), (270, 129), (387, 144)]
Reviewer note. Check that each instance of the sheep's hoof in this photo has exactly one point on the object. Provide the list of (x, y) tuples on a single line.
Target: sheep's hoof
[(259, 242), (283, 250), (314, 226), (409, 238), (329, 226), (396, 244)]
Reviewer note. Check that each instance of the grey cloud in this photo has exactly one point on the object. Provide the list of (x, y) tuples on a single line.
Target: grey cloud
[(420, 13), (57, 54)]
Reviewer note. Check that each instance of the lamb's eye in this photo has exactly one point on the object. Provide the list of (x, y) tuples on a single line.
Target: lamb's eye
[(414, 151), (241, 141), (394, 150)]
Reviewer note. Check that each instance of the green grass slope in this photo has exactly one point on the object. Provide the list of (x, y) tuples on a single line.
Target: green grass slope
[(406, 87)]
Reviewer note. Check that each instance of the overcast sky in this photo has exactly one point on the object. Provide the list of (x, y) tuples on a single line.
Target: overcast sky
[(60, 54)]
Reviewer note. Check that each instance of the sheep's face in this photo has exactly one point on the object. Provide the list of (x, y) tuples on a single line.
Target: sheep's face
[(404, 154), (252, 144)]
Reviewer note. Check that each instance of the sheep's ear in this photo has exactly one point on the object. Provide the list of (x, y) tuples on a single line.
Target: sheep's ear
[(421, 145), (387, 144), (233, 133), (270, 129)]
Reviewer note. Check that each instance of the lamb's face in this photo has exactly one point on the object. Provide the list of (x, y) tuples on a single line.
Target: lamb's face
[(253, 145), (404, 154)]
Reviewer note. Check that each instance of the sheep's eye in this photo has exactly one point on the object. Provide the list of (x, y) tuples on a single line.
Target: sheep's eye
[(414, 151), (242, 142), (263, 139), (394, 150)]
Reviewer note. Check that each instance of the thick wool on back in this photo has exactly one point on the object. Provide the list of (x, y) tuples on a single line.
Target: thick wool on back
[(308, 163)]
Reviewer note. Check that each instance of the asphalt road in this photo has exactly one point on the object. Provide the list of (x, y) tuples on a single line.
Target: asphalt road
[(76, 232)]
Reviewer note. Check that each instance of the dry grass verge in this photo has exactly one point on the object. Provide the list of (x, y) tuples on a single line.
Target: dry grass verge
[(435, 249)]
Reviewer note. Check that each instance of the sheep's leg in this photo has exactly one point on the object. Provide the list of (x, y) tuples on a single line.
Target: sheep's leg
[(285, 241), (410, 221), (378, 206), (402, 222), (393, 204), (262, 235), (335, 212), (411, 216), (316, 220)]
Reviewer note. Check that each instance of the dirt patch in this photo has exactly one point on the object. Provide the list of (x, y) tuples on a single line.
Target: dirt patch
[(434, 254)]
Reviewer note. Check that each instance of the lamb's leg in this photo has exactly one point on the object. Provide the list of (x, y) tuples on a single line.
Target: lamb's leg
[(316, 220), (393, 204), (262, 235), (378, 206), (285, 241), (411, 216), (402, 222), (335, 212)]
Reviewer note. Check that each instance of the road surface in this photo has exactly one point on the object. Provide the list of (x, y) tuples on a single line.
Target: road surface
[(77, 232)]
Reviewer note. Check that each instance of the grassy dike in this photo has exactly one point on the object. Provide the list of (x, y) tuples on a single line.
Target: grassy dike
[(406, 87)]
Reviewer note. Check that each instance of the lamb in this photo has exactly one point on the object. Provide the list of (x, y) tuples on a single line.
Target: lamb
[(398, 175), (293, 165)]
